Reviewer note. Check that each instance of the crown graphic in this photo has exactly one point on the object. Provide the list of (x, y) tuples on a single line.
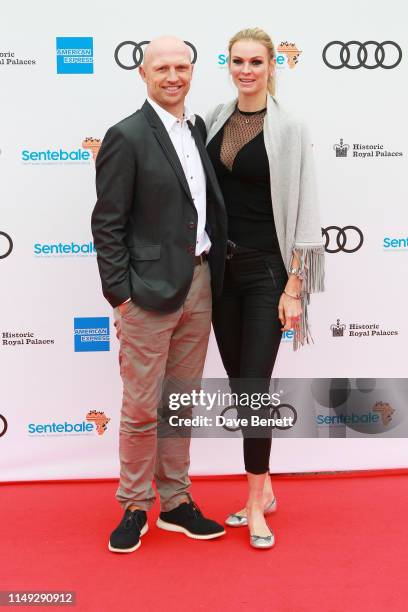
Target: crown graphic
[(385, 410), (94, 144), (100, 419), (338, 329), (341, 149)]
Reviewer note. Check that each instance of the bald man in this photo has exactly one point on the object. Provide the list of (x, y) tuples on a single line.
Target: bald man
[(159, 228)]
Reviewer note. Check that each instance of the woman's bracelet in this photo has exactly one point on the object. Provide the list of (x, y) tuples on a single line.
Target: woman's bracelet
[(298, 272), (295, 297), (295, 271)]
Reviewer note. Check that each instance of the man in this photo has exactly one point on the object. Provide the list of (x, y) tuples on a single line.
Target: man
[(158, 223)]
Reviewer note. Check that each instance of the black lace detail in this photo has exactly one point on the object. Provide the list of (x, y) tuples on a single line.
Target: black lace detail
[(240, 129)]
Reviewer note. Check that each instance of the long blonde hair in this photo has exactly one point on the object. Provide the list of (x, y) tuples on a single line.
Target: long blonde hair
[(262, 37)]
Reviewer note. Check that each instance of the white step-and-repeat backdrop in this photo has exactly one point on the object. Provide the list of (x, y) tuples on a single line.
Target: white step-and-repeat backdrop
[(68, 72)]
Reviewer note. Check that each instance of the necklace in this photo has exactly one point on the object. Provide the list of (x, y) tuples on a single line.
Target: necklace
[(248, 114)]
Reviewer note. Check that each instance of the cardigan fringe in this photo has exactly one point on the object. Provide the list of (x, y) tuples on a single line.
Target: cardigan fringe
[(311, 272)]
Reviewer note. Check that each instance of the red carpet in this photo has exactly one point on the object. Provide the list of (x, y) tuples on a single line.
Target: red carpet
[(342, 546)]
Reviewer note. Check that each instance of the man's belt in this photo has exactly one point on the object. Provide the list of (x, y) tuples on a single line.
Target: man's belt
[(200, 259)]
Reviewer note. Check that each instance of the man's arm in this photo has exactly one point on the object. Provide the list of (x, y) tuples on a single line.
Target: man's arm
[(115, 176)]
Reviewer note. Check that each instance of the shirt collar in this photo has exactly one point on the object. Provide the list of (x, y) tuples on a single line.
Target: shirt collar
[(167, 118)]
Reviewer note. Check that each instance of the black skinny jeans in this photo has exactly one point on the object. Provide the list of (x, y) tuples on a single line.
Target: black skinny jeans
[(248, 333)]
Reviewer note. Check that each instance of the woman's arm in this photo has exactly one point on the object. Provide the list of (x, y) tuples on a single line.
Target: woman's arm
[(308, 251), (290, 303)]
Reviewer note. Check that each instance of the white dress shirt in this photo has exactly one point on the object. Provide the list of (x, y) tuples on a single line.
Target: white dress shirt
[(189, 156)]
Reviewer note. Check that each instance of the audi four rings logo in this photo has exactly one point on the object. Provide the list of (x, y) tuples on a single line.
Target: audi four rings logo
[(275, 413), (347, 239), (135, 53), (3, 425), (370, 54), (8, 247)]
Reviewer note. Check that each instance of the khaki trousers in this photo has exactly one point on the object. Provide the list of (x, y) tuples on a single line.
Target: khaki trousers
[(157, 347)]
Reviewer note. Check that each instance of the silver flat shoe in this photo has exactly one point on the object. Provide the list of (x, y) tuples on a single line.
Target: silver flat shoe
[(262, 541), (237, 520)]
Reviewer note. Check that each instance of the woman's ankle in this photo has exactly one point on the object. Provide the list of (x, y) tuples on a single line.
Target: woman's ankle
[(255, 507), (268, 498)]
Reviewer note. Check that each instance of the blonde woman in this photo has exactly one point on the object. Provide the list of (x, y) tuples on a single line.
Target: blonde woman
[(275, 259)]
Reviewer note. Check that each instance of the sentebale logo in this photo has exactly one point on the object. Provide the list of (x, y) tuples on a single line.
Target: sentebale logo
[(287, 56), (99, 419), (347, 418), (394, 244), (290, 51), (64, 249), (53, 156), (95, 422), (385, 410), (288, 335), (93, 144)]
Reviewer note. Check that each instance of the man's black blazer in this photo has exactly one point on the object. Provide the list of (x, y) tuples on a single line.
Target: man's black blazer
[(144, 222)]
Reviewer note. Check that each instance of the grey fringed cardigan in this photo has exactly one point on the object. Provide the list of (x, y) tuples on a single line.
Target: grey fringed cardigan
[(293, 190)]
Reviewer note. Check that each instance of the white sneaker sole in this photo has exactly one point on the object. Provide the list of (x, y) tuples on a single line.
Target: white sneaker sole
[(144, 530), (178, 529)]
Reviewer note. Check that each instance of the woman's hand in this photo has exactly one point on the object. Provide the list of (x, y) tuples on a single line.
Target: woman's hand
[(290, 308)]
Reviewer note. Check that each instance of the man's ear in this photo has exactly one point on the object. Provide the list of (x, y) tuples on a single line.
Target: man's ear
[(142, 73)]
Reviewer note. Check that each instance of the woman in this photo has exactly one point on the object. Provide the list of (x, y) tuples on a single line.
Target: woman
[(275, 258)]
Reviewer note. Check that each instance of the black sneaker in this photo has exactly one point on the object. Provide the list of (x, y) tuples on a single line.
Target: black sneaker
[(188, 519), (126, 537)]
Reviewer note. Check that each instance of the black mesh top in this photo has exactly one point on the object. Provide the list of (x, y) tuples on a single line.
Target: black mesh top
[(240, 161)]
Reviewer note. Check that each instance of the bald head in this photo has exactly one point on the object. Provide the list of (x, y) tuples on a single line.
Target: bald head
[(164, 45), (167, 72)]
